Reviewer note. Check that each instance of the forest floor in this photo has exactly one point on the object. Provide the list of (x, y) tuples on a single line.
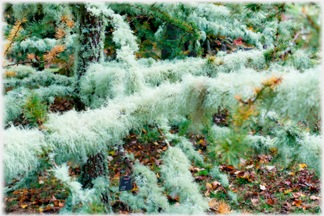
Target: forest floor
[(261, 184)]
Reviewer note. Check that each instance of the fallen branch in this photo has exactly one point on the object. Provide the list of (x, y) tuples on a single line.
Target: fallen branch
[(162, 134)]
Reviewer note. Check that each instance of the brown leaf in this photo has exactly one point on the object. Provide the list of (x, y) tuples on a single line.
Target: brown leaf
[(255, 201), (228, 168), (209, 186), (53, 199), (30, 56), (216, 184), (165, 148), (270, 202), (157, 162), (200, 178), (213, 203), (297, 202), (314, 197), (287, 206), (56, 203), (61, 204), (196, 169), (298, 194)]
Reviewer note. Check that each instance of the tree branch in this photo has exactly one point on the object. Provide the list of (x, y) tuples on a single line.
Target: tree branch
[(24, 62)]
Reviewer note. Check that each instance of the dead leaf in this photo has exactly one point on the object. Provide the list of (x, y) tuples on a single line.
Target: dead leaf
[(157, 162), (56, 203), (165, 148), (262, 187), (287, 191), (200, 178), (196, 169), (270, 202), (61, 204), (298, 194), (269, 168), (23, 206), (302, 166), (216, 184), (255, 201), (297, 202), (287, 206), (53, 199), (209, 186), (227, 168), (249, 167), (314, 197)]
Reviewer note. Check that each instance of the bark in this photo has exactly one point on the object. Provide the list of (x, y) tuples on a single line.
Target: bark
[(89, 50), (90, 46)]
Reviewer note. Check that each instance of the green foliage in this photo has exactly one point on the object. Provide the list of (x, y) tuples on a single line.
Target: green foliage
[(231, 148), (34, 109)]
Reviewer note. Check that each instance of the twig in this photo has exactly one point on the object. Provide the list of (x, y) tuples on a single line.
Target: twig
[(24, 62), (53, 162), (277, 34), (16, 34), (293, 41), (252, 207), (162, 134), (126, 159)]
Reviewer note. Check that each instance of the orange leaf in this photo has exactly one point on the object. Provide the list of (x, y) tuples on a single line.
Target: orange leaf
[(23, 206), (209, 186), (297, 202), (270, 202), (237, 97), (61, 204)]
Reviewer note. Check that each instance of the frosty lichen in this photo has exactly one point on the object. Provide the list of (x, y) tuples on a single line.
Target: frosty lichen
[(184, 80)]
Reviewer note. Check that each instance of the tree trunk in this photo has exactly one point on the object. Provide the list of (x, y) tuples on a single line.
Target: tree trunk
[(89, 48)]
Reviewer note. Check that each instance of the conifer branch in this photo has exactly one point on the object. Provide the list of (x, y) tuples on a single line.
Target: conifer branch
[(277, 33), (165, 20), (12, 37)]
